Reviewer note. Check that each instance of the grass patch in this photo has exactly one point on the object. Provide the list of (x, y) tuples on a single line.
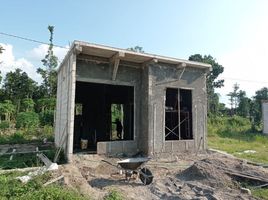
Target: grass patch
[(260, 193), (12, 188), (232, 135), (27, 135), (237, 146), (113, 195)]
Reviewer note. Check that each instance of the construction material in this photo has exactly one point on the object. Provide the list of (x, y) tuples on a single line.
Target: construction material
[(84, 144), (54, 180)]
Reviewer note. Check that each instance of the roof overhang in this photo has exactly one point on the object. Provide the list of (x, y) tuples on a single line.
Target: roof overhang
[(106, 53)]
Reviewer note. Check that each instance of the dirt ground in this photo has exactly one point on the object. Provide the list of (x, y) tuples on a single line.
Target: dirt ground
[(205, 176)]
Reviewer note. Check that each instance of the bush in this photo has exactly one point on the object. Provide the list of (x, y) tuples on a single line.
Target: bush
[(27, 120), (47, 117), (14, 189), (4, 125), (228, 126)]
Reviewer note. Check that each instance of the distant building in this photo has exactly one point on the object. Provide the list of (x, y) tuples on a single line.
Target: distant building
[(265, 116), (163, 99)]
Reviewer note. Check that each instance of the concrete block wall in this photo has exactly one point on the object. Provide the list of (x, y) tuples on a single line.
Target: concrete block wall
[(163, 76), (65, 104)]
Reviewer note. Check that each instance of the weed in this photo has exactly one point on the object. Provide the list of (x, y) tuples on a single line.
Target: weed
[(113, 195)]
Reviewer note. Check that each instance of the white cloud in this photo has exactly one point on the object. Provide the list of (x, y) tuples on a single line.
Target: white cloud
[(30, 62), (10, 63), (38, 53), (248, 62)]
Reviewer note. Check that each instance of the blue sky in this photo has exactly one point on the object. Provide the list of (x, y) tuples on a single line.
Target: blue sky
[(234, 32)]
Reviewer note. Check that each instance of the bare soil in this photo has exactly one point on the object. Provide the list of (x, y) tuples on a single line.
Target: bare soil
[(178, 177)]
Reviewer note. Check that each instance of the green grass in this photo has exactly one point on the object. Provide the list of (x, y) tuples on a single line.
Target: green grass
[(241, 142), (232, 135), (12, 188), (260, 193), (113, 195), (24, 136)]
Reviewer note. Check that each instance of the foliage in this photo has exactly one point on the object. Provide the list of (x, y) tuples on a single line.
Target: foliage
[(29, 135), (47, 118), (27, 105), (1, 49), (34, 190), (27, 120), (260, 193), (233, 135), (18, 85), (4, 125), (212, 79), (113, 195), (6, 109), (136, 49), (49, 74), (228, 126), (27, 160), (260, 95), (46, 104)]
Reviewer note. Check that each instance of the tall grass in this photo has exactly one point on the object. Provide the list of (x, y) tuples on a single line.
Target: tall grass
[(233, 135)]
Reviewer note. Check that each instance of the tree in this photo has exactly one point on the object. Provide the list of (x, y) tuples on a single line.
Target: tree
[(212, 79), (27, 105), (49, 74), (7, 109), (1, 49), (244, 104), (18, 85), (260, 95), (136, 49), (234, 98)]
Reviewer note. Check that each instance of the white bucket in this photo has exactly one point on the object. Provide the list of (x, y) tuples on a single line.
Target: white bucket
[(84, 144)]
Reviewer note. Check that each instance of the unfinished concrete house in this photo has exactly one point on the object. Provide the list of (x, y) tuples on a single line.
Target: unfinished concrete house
[(124, 102)]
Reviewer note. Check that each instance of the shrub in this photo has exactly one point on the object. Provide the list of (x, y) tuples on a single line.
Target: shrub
[(27, 120), (47, 117), (228, 126), (4, 125)]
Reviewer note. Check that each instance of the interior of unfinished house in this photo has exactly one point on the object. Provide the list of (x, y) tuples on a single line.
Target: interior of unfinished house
[(115, 101)]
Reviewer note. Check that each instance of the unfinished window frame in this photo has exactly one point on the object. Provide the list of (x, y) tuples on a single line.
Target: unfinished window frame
[(179, 117)]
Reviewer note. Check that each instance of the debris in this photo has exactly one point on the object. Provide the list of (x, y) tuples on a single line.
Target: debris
[(245, 190), (54, 180), (262, 186), (249, 151), (11, 157), (49, 166)]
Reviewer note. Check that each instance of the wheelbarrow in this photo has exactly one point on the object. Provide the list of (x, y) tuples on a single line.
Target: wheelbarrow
[(134, 167)]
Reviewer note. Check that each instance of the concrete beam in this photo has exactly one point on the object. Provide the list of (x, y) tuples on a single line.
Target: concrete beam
[(151, 61), (78, 49), (114, 61)]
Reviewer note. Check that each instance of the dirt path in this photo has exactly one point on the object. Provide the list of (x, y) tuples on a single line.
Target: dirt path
[(186, 177)]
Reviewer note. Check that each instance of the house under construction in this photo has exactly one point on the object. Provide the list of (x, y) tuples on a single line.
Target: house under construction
[(121, 101)]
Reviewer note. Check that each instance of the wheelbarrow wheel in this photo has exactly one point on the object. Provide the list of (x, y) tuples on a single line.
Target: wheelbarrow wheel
[(146, 176)]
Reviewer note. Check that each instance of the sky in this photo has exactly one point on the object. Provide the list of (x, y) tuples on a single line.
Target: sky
[(235, 33)]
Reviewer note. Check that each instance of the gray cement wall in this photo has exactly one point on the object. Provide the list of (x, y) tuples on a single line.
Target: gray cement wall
[(265, 117), (64, 124), (162, 76)]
